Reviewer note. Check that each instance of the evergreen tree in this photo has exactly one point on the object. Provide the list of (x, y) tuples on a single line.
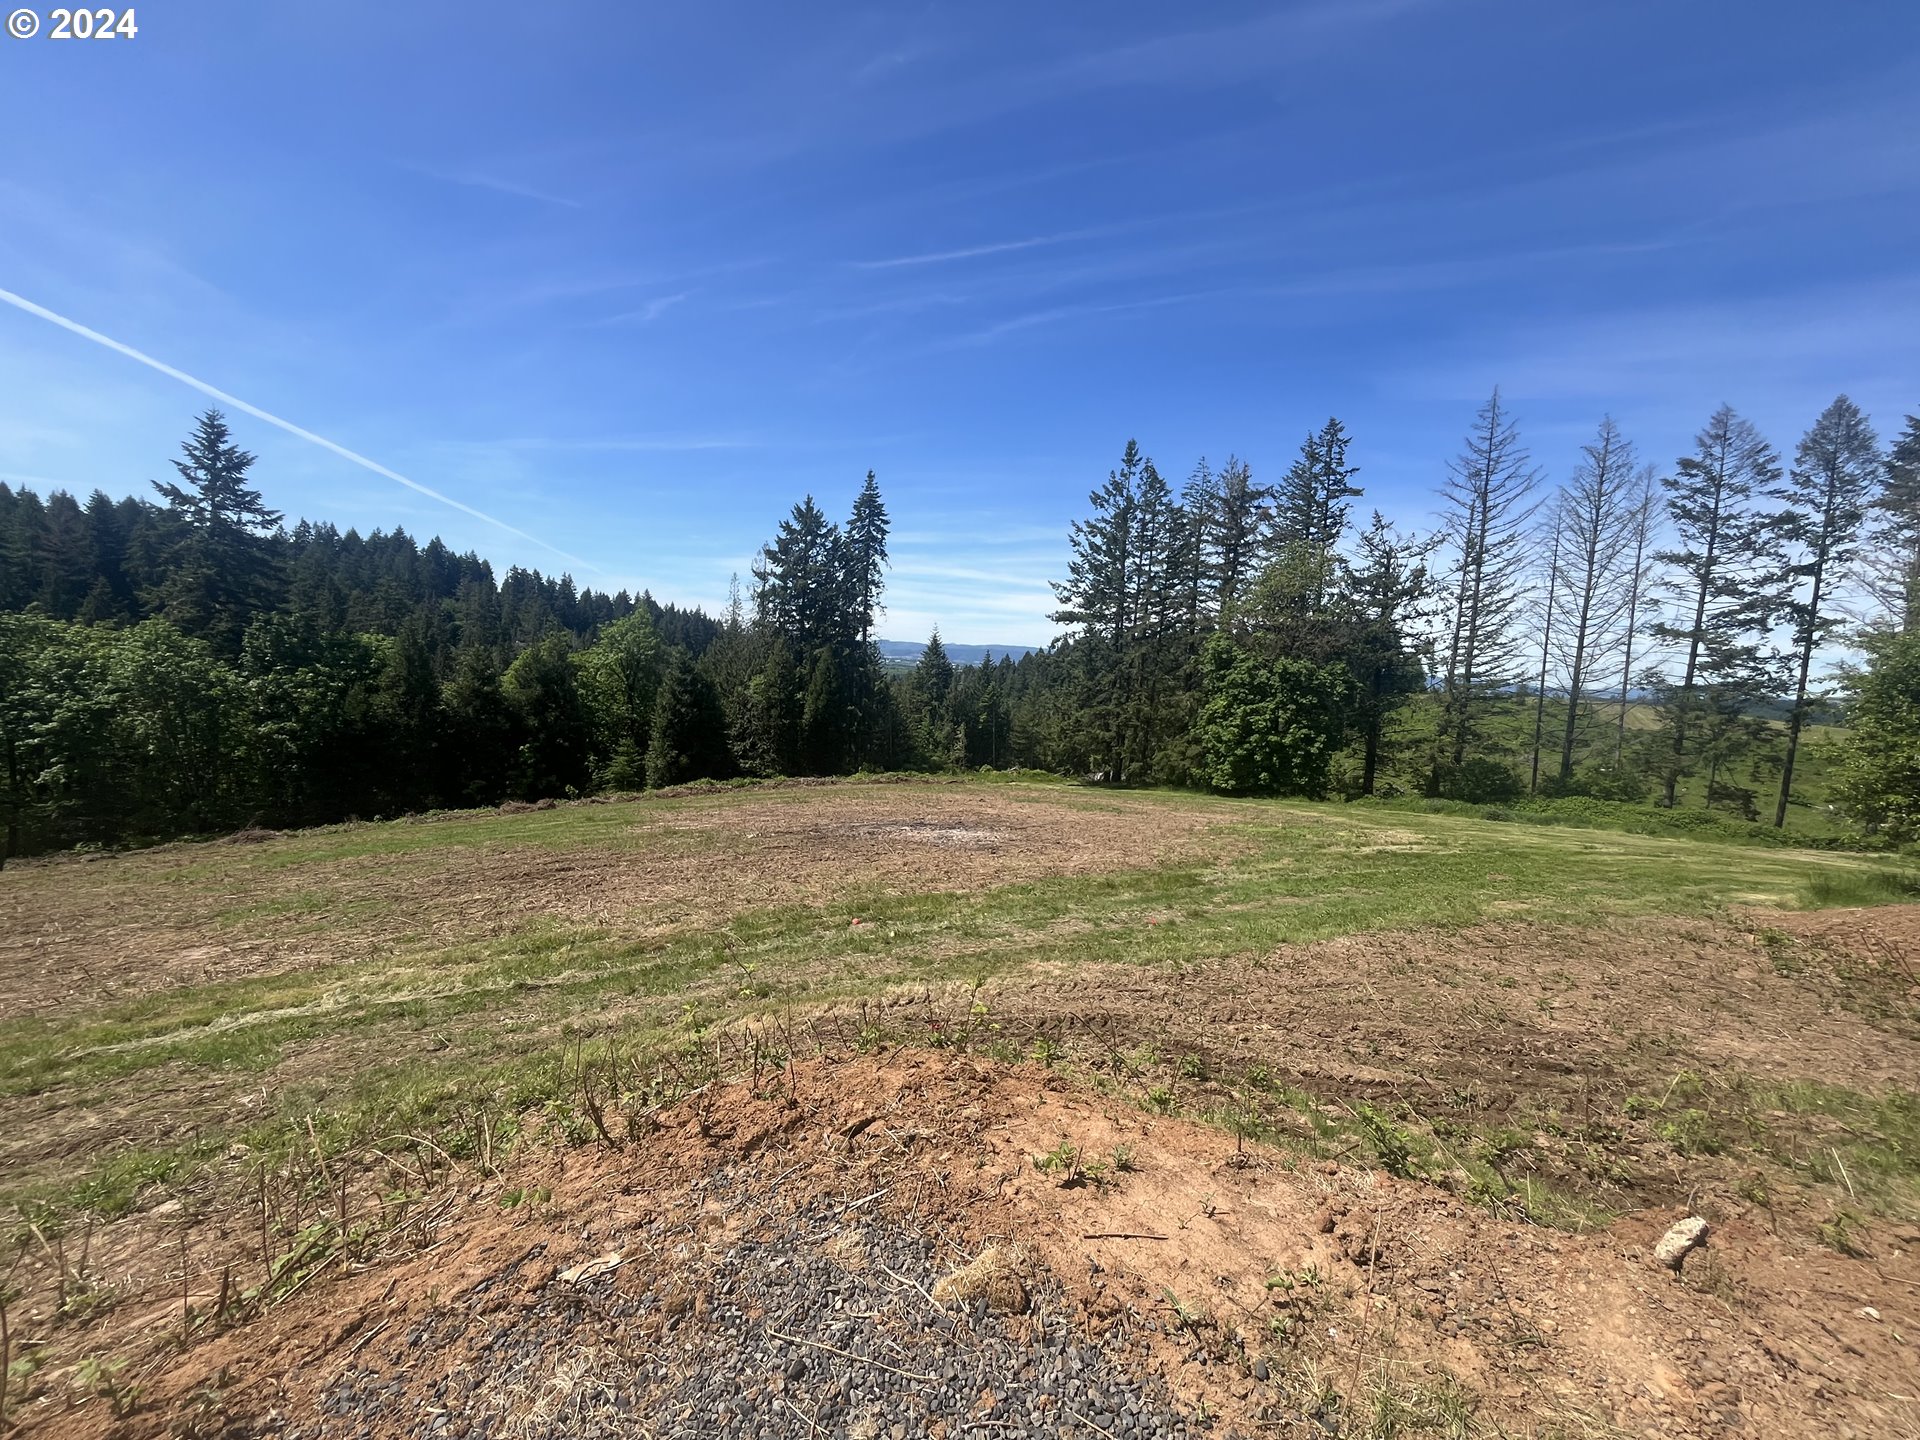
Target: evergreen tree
[(1094, 605), (1724, 584), (621, 674), (1155, 649), (224, 572), (67, 572), (689, 729), (764, 727), (1835, 473), (1893, 563), (1311, 510), (409, 719), (933, 672), (1879, 772), (1232, 516), (482, 742), (800, 587), (866, 555), (555, 728), (1387, 595), (828, 717)]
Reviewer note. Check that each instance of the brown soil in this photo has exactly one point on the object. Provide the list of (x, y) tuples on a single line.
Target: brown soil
[(157, 919), (1884, 940), (1410, 1291)]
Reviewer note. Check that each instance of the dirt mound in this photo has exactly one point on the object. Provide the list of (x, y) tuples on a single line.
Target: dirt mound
[(785, 1245)]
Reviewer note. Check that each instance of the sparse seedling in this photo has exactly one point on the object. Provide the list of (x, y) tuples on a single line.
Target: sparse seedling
[(1392, 1145), (1841, 1231), (1061, 1162)]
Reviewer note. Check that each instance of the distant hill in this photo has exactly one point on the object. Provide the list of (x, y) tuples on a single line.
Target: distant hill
[(907, 652)]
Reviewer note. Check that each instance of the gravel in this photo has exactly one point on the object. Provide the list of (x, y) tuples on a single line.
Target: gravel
[(747, 1323)]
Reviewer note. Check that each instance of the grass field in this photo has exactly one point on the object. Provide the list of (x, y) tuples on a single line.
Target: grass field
[(378, 977), (283, 1051)]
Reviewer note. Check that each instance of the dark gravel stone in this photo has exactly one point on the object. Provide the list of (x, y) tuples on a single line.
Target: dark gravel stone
[(698, 1347)]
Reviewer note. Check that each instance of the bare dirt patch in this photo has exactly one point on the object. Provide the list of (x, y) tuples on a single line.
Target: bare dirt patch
[(1884, 939), (1277, 1299)]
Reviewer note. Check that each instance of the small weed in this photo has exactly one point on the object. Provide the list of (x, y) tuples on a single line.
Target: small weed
[(1753, 1189), (1062, 1161), (1192, 1067), (1190, 1317), (1160, 1100), (1123, 1163), (1690, 1132), (1841, 1233), (1392, 1145), (99, 1376)]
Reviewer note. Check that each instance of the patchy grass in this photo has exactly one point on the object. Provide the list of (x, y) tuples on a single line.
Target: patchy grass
[(1860, 887), (415, 1032)]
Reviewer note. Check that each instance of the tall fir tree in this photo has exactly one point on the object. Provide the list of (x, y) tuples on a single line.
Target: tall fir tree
[(689, 729), (800, 583), (1311, 508), (1232, 519), (1836, 473), (1725, 587), (1388, 593), (224, 571), (1893, 561), (1094, 600), (866, 555)]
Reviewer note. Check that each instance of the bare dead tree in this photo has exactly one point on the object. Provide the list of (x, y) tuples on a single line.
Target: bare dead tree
[(1546, 654), (1595, 513), (1640, 576), (1487, 502)]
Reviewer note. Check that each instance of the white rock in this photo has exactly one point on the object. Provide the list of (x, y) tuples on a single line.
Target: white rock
[(1679, 1242)]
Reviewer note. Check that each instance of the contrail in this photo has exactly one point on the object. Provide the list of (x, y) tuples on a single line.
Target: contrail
[(21, 303)]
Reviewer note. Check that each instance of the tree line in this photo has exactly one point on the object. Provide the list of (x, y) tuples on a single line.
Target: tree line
[(1618, 634), (189, 663)]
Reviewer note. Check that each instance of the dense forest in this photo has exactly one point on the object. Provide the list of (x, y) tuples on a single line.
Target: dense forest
[(188, 663)]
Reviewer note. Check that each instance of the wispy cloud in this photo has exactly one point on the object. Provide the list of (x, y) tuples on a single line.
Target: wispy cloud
[(974, 252), (647, 313), (499, 185), (121, 348), (609, 444), (888, 62)]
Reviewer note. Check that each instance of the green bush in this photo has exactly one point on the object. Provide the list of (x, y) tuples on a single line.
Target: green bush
[(1479, 781)]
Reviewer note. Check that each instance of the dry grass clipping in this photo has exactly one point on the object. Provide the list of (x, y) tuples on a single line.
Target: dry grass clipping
[(993, 1275)]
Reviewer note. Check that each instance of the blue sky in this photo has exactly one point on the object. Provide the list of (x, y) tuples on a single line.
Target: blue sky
[(631, 279)]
